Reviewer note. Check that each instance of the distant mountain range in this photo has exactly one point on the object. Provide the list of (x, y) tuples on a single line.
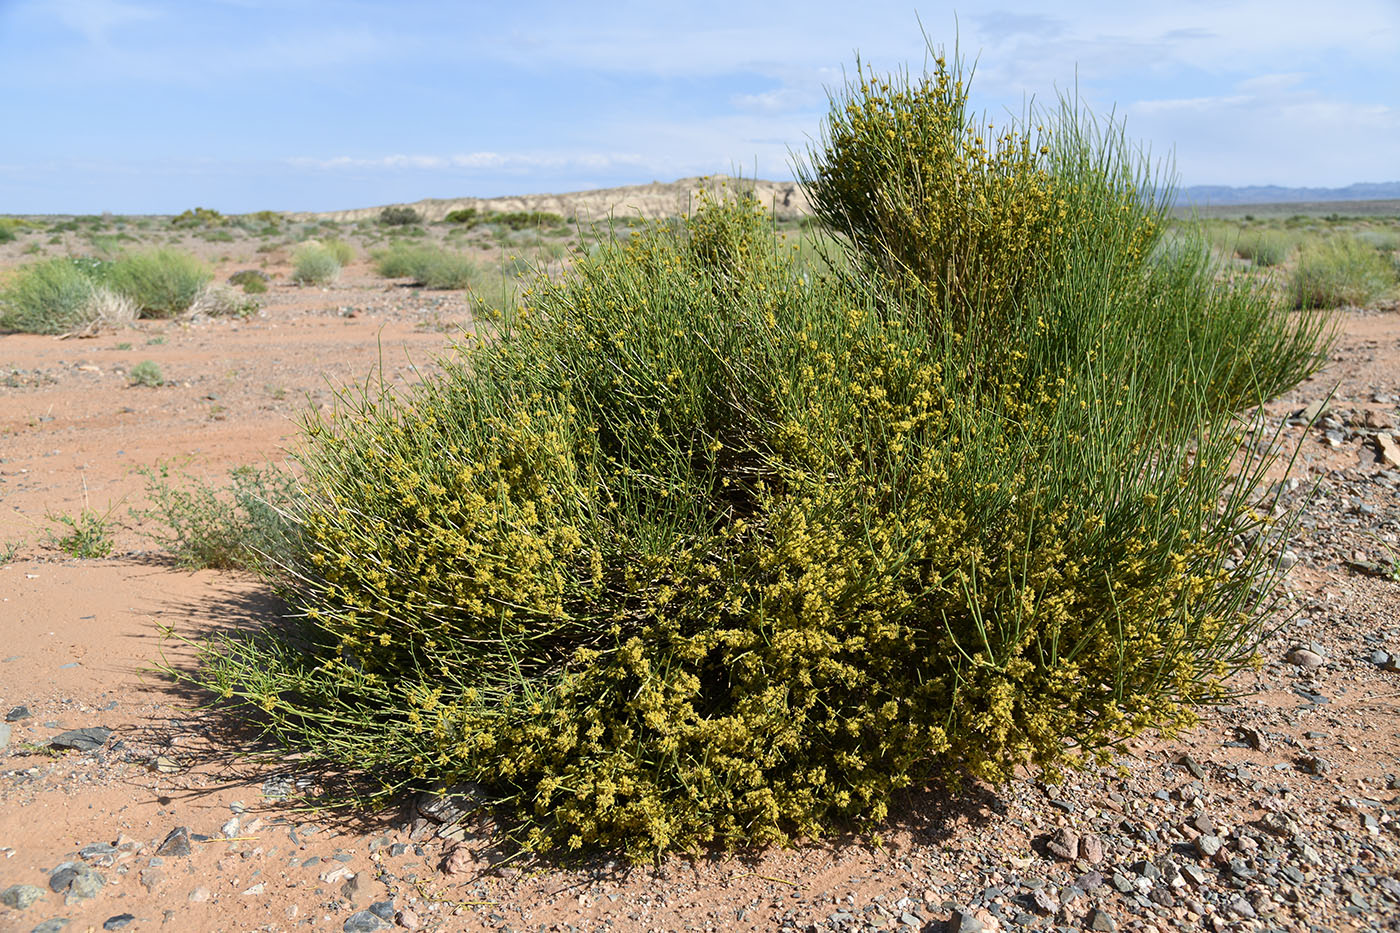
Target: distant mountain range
[(1202, 195)]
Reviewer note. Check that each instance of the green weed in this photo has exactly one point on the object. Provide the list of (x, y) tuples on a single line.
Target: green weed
[(146, 373), (85, 535), (242, 526)]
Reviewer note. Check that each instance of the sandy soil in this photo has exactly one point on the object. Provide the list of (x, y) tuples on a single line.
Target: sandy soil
[(1294, 783)]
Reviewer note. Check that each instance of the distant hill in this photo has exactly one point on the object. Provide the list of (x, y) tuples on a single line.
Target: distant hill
[(658, 199), (787, 200), (1220, 195)]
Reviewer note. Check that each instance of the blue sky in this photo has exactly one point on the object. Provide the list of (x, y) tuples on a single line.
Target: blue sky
[(150, 106)]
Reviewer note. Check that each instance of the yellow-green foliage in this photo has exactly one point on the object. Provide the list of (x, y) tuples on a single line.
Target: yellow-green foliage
[(701, 547)]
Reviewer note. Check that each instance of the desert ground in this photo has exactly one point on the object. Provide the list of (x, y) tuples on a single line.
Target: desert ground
[(127, 803)]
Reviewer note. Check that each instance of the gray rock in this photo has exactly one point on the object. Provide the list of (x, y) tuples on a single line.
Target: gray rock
[(355, 888), (177, 842), (1239, 907), (62, 876), (1043, 902), (16, 714), (4, 735), (362, 921), (96, 850), (20, 896), (384, 910), (451, 805), (51, 925), (962, 920), (1100, 921), (1193, 767), (1208, 845), (83, 740), (1253, 738), (117, 921), (1312, 764), (152, 878), (86, 884)]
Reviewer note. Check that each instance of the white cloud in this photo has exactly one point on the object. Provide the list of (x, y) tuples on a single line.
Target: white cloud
[(95, 20)]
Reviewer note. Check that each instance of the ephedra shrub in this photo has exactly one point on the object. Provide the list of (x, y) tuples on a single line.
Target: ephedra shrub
[(699, 547)]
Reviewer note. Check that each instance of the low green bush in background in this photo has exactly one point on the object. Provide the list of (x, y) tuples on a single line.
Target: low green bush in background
[(1265, 248), (428, 266), (399, 217), (703, 546), (53, 296), (1338, 271), (314, 264), (162, 283)]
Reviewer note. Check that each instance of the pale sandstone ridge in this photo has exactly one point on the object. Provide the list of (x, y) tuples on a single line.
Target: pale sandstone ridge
[(785, 199)]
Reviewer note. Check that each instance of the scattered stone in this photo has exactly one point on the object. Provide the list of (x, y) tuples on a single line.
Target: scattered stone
[(1193, 767), (177, 842), (97, 850), (459, 861), (451, 804), (1043, 902), (1208, 845), (355, 889), (407, 919), (20, 896), (1239, 907), (1091, 848), (152, 878), (965, 920), (230, 828), (1387, 449), (1064, 844), (117, 921), (384, 910), (1253, 738), (363, 921), (76, 882), (1302, 657), (51, 925), (82, 740), (199, 895), (1100, 921), (1312, 764), (16, 714)]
